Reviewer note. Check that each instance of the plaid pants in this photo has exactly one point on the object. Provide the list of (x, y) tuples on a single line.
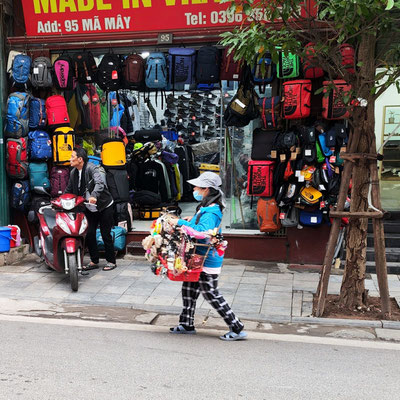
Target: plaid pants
[(208, 286)]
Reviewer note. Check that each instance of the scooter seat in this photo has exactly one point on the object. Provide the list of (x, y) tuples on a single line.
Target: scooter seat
[(50, 217)]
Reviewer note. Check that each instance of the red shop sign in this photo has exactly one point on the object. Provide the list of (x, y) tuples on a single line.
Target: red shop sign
[(56, 17)]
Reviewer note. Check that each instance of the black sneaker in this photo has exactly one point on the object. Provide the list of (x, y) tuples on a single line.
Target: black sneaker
[(197, 96), (182, 113), (170, 122), (192, 124), (210, 95), (183, 98), (208, 103), (168, 113), (193, 103), (207, 111)]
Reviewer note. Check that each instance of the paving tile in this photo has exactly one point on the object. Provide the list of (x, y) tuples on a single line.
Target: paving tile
[(132, 299), (254, 280), (160, 300), (270, 288), (106, 298)]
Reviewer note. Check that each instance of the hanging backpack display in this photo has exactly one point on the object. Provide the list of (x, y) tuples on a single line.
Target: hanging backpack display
[(243, 107), (63, 144), (57, 112), (113, 153), (290, 217), (63, 73), (288, 66), (37, 113), (310, 69), (297, 99), (133, 71), (20, 195), (208, 65), (17, 117), (262, 78), (39, 145), (39, 177), (310, 218), (156, 71), (230, 69), (333, 106), (260, 178), (268, 215), (271, 109), (21, 68), (85, 67), (16, 158), (348, 57), (109, 72), (263, 143), (41, 73), (59, 177), (181, 62)]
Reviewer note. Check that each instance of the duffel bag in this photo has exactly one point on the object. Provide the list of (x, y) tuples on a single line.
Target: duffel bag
[(147, 135), (118, 235)]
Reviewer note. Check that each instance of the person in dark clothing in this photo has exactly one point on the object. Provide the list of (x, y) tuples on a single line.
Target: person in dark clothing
[(88, 180)]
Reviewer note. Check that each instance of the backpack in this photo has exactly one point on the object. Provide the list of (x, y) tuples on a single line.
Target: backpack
[(63, 73), (260, 178), (20, 195), (41, 72), (310, 69), (271, 109), (333, 106), (297, 99), (59, 178), (288, 66), (208, 65), (63, 144), (39, 145), (21, 68), (243, 107), (181, 63), (85, 67), (109, 72), (310, 218), (17, 118), (230, 70), (262, 78), (133, 71), (347, 54), (39, 177), (118, 184), (156, 71), (57, 112), (310, 195), (17, 158), (290, 217), (113, 153), (37, 113), (262, 144), (268, 215)]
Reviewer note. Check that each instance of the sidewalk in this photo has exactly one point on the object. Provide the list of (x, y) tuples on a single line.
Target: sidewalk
[(257, 291)]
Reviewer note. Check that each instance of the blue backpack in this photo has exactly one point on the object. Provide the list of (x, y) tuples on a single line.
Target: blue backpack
[(17, 118), (156, 71), (39, 177), (21, 68), (20, 195), (118, 235), (182, 63), (262, 78), (37, 113), (310, 218), (39, 145)]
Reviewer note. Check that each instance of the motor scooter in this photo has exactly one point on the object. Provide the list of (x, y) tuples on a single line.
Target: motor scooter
[(62, 231)]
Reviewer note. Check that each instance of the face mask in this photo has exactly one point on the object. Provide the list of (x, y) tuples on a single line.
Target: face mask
[(197, 196)]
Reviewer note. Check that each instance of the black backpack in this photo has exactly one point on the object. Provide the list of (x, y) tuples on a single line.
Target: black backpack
[(208, 65), (118, 184), (109, 73), (85, 68), (263, 143)]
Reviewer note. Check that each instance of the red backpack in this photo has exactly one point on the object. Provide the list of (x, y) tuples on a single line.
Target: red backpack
[(333, 106), (268, 215), (310, 69), (17, 157), (260, 178), (230, 69), (56, 111), (348, 57), (297, 99), (133, 71), (59, 177)]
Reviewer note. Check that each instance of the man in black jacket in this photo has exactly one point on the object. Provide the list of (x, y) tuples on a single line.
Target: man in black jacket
[(88, 180)]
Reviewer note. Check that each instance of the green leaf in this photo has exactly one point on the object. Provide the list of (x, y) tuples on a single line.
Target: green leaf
[(389, 5)]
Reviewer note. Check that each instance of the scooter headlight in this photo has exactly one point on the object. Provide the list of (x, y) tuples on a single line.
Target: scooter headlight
[(63, 225), (68, 204), (84, 225)]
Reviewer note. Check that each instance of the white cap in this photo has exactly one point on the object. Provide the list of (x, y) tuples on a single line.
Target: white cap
[(207, 179)]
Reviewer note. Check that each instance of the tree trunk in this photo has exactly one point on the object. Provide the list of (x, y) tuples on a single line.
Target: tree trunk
[(352, 292)]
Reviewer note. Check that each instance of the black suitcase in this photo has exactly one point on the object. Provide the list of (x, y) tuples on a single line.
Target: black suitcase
[(147, 135), (263, 143)]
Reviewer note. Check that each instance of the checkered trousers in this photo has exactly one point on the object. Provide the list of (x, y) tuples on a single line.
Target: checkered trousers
[(208, 287)]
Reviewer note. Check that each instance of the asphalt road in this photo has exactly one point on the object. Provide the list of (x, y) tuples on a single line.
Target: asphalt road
[(66, 359)]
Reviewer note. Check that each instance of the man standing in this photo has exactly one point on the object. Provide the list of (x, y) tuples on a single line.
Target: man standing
[(87, 180)]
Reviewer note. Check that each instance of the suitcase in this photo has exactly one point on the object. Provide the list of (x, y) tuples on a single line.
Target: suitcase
[(113, 154)]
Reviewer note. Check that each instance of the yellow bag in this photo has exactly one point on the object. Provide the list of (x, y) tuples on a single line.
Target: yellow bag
[(113, 153), (311, 195), (209, 167), (63, 144)]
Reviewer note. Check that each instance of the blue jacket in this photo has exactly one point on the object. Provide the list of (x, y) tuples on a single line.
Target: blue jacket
[(210, 218)]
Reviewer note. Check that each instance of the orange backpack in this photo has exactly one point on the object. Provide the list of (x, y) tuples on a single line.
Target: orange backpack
[(268, 214)]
